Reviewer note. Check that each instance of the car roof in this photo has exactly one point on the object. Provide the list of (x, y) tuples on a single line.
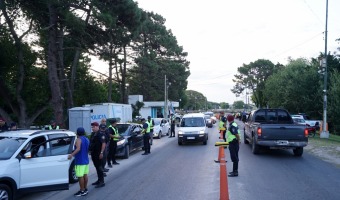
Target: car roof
[(193, 115), (28, 132)]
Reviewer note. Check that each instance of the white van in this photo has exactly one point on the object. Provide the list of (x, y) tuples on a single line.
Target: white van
[(193, 129)]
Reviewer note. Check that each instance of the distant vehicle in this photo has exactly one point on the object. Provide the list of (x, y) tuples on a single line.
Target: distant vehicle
[(307, 119), (132, 139), (161, 127), (35, 160), (208, 120), (274, 128), (193, 129)]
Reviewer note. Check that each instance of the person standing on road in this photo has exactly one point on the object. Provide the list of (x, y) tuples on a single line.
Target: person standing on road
[(3, 125), (172, 128), (234, 142), (114, 138), (97, 148), (151, 124), (222, 127), (53, 125), (146, 137), (81, 160), (104, 130)]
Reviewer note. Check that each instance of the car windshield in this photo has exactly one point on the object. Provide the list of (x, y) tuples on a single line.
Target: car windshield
[(123, 129), (207, 116), (299, 120), (8, 146), (192, 122)]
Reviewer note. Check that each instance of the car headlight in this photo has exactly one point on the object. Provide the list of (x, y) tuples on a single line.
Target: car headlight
[(180, 132), (201, 132), (121, 142)]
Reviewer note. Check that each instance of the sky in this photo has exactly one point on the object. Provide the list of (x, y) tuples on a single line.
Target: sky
[(222, 35)]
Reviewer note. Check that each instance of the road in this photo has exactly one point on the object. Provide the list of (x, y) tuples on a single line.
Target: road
[(188, 172)]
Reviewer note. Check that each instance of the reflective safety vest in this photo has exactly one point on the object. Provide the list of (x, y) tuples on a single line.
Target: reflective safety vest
[(231, 137), (50, 128), (149, 127), (115, 133), (221, 126)]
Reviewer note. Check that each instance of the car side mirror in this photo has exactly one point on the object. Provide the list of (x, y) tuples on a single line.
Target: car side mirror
[(28, 155)]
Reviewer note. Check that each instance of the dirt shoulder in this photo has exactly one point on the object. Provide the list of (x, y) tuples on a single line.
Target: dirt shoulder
[(324, 149)]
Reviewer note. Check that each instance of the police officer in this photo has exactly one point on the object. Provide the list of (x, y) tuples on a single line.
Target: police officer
[(53, 125), (114, 138), (222, 127), (97, 148), (151, 123), (146, 137), (234, 142)]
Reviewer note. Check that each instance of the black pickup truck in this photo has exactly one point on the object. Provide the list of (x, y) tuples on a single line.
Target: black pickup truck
[(274, 129)]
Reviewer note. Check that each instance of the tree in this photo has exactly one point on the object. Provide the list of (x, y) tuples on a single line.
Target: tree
[(238, 105), (253, 76), (224, 105)]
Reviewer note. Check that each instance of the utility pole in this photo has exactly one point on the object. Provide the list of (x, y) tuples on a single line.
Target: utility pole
[(165, 99), (325, 133)]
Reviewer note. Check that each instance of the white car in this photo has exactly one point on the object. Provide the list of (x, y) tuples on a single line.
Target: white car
[(35, 160), (193, 128), (161, 127)]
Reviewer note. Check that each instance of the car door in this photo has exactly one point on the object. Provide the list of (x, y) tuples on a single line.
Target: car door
[(138, 136), (48, 167), (164, 127)]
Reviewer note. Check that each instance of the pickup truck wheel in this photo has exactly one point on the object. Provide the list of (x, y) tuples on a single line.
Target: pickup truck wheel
[(179, 142), (205, 142), (72, 174), (254, 147), (298, 151), (160, 135), (5, 192), (245, 138)]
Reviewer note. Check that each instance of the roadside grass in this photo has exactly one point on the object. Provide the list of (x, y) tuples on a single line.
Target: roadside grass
[(326, 149)]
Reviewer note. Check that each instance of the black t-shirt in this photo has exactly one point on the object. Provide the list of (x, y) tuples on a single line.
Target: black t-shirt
[(97, 139)]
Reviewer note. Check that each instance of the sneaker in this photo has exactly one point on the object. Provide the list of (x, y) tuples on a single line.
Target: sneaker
[(79, 193), (145, 153), (96, 183), (115, 163), (85, 192), (110, 165), (105, 169)]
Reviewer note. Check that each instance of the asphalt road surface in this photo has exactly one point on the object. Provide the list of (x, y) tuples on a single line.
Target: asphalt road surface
[(188, 172)]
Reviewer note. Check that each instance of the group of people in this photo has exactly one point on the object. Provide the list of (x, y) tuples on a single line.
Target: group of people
[(101, 146), (4, 127), (231, 134)]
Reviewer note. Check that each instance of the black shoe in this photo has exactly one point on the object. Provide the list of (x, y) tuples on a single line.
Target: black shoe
[(105, 170), (145, 153), (85, 192), (96, 183), (104, 174), (109, 165), (115, 163), (100, 185), (233, 174)]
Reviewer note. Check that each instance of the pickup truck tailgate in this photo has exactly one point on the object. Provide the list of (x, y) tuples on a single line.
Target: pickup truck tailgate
[(282, 132)]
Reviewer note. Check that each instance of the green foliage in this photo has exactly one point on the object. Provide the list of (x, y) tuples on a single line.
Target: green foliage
[(334, 102), (136, 108), (224, 105), (238, 105)]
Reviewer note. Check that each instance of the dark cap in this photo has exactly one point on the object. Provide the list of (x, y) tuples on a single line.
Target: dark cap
[(80, 131), (94, 124), (149, 117), (102, 126)]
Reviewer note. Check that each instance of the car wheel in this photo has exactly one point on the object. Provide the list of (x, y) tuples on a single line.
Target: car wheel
[(5, 192), (205, 143), (126, 151), (254, 147), (160, 135), (298, 151), (72, 174), (179, 142), (245, 138)]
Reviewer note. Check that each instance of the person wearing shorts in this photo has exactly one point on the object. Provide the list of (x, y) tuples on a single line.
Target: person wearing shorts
[(81, 158)]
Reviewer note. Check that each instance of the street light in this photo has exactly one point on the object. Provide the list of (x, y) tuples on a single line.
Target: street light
[(127, 93), (325, 133)]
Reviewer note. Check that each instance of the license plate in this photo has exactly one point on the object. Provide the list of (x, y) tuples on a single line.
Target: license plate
[(190, 138), (282, 142)]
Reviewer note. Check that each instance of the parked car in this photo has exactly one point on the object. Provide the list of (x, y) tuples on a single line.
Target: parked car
[(35, 160), (132, 139), (161, 127), (311, 129), (208, 121), (192, 129)]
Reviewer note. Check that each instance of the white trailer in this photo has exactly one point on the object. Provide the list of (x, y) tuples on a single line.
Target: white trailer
[(110, 110)]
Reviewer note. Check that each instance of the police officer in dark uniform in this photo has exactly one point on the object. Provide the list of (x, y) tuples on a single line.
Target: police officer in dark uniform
[(146, 137), (234, 144), (97, 148)]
